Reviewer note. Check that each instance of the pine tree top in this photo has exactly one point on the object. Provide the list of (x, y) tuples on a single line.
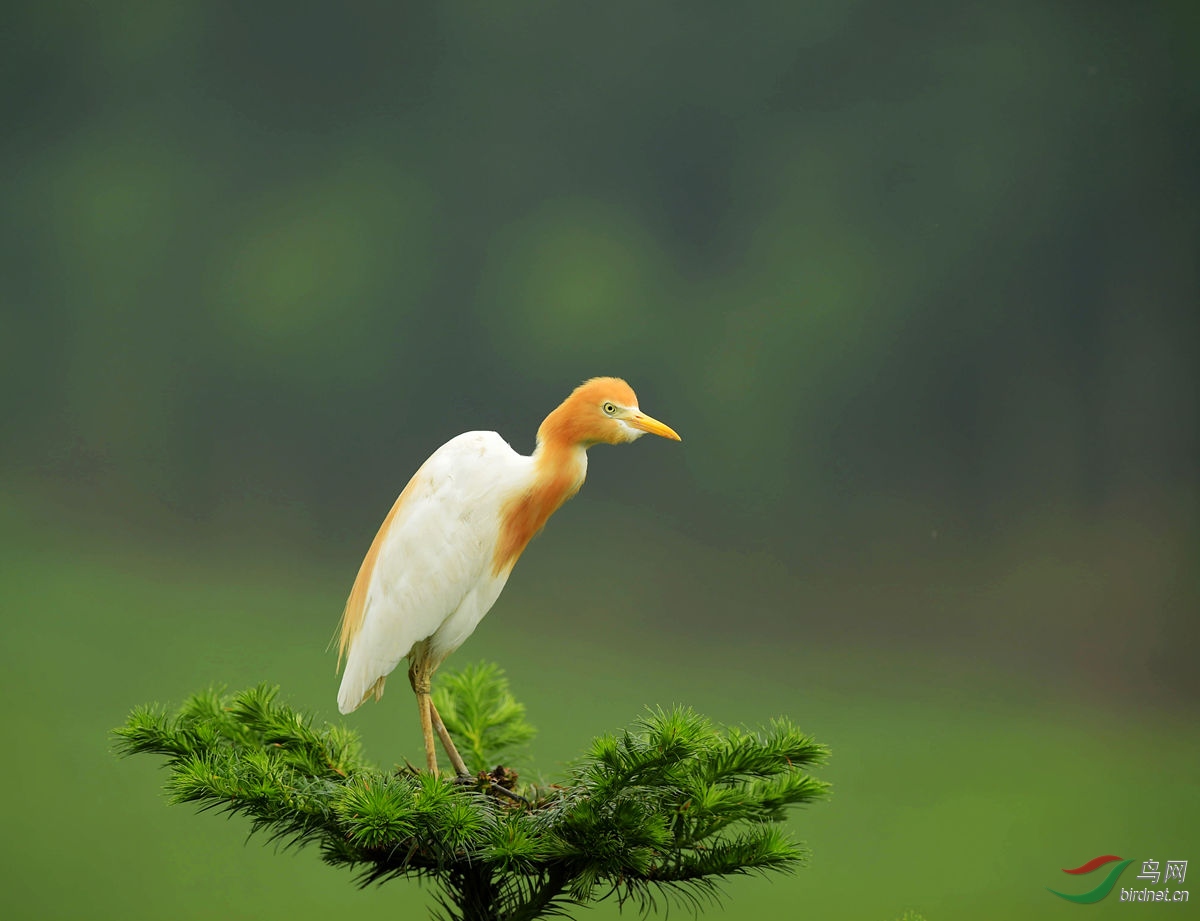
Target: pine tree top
[(664, 808)]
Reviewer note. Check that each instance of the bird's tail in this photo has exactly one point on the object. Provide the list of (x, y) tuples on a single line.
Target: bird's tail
[(352, 694)]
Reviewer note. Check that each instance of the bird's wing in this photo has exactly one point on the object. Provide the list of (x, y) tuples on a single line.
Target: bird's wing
[(432, 550)]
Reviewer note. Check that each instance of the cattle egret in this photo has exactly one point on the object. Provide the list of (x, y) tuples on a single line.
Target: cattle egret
[(451, 540)]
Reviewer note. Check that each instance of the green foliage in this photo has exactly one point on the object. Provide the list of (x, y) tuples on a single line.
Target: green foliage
[(487, 722), (665, 808)]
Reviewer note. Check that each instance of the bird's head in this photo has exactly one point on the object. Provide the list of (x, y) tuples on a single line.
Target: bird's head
[(601, 410)]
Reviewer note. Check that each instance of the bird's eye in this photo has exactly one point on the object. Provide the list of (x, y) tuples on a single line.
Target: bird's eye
[(610, 409)]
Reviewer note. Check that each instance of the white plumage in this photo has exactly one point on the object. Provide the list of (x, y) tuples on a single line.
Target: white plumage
[(433, 577), (445, 550)]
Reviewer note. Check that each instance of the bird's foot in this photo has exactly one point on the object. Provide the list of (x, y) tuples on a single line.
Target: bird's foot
[(499, 782)]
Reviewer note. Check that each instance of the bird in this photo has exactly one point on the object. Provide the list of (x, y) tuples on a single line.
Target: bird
[(447, 547)]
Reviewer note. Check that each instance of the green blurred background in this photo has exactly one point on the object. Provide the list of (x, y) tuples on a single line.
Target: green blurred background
[(916, 282)]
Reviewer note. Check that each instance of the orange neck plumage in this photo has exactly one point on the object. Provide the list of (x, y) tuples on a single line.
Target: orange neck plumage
[(560, 464)]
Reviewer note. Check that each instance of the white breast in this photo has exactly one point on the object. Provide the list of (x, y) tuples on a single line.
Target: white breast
[(432, 578)]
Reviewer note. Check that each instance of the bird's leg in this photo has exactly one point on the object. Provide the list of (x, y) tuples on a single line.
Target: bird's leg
[(418, 677), (460, 766), (425, 704)]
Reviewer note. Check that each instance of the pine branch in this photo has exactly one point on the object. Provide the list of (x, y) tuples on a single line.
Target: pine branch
[(662, 810), (486, 721)]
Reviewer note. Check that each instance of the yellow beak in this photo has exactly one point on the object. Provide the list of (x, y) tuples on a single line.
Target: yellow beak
[(639, 420)]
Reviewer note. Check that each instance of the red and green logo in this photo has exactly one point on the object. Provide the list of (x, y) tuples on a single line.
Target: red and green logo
[(1175, 871), (1105, 887)]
